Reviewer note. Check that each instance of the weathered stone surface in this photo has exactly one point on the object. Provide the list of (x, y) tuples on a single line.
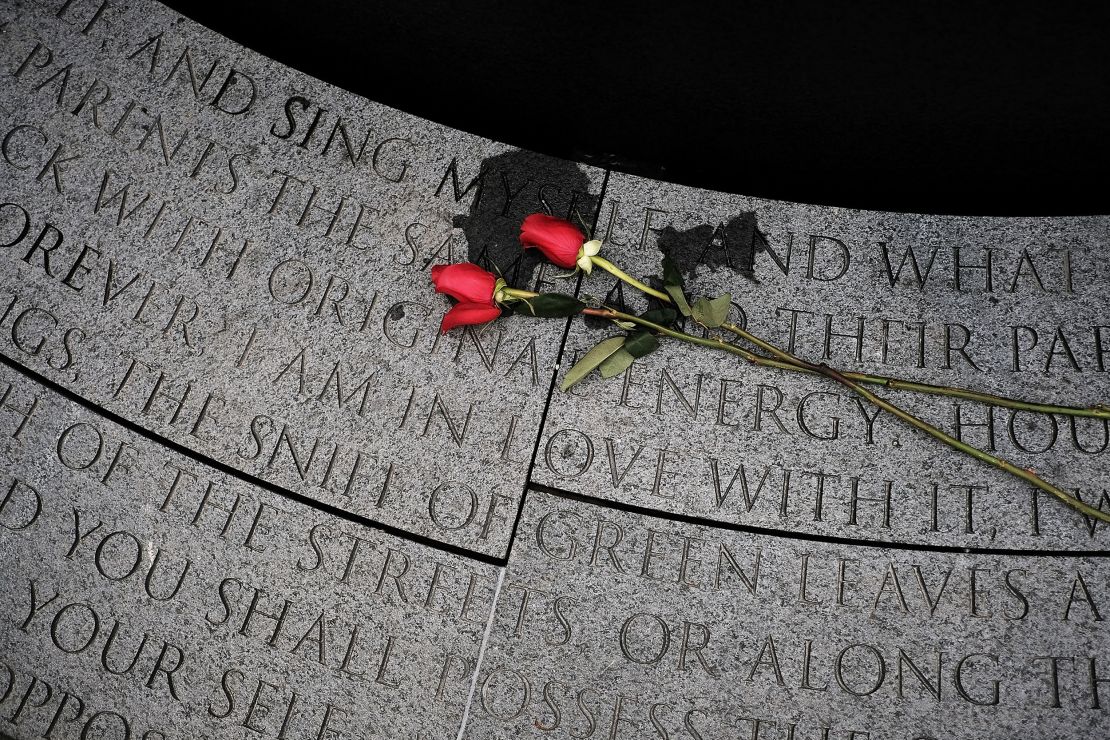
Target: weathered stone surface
[(146, 593), (701, 433), (236, 256), (616, 625)]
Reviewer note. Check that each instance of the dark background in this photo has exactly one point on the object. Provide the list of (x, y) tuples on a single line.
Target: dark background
[(900, 106)]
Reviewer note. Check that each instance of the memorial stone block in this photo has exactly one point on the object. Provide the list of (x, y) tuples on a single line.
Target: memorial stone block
[(236, 256), (1010, 306), (248, 489)]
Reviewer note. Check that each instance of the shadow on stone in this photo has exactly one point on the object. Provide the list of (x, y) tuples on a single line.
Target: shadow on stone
[(513, 185), (732, 245)]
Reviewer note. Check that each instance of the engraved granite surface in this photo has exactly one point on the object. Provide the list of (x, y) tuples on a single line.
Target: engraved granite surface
[(249, 490), (146, 593), (612, 624)]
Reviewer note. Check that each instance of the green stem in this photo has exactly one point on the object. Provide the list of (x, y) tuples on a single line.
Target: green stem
[(786, 358), (612, 269), (517, 293), (1096, 412), (1025, 474)]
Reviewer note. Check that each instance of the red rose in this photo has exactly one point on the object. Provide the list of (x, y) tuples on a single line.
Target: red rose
[(473, 288), (559, 240)]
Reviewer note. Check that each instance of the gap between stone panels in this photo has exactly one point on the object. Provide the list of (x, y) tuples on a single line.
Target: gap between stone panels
[(233, 472), (527, 484), (551, 385), (806, 536), (481, 653)]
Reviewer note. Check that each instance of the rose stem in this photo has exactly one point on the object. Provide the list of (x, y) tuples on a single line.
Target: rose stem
[(612, 269), (797, 365), (518, 293), (1026, 475), (1098, 412)]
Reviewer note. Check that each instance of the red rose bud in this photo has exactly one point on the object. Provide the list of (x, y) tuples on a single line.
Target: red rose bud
[(559, 240), (474, 290)]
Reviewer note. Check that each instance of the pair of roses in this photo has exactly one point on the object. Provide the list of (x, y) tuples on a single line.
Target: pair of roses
[(481, 294)]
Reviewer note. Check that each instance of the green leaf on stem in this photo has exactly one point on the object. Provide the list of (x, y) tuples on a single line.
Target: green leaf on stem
[(616, 363), (591, 360), (712, 312), (641, 343), (671, 274), (679, 299), (550, 306), (672, 283), (661, 316)]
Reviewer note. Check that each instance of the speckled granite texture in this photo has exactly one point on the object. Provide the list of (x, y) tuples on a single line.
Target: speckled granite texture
[(248, 490)]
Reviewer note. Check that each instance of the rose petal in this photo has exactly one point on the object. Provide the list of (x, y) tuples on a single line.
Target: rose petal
[(464, 282), (559, 240), (463, 314)]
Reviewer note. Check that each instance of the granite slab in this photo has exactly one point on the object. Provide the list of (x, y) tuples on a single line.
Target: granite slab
[(249, 490), (1009, 306)]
